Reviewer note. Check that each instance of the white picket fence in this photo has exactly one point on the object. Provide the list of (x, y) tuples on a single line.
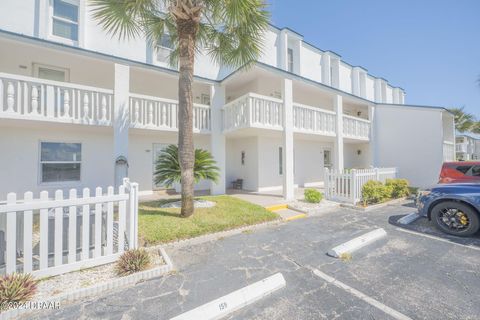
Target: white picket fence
[(346, 185), (48, 237)]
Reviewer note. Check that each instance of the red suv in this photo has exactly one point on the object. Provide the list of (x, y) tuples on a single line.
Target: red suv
[(462, 171)]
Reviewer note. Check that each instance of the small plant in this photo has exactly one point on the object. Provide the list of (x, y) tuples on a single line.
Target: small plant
[(132, 261), (17, 287), (400, 187), (312, 195), (375, 192), (346, 256)]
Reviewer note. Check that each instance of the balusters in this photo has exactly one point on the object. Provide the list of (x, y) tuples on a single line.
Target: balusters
[(104, 108), (1, 95), (150, 113), (86, 107), (34, 95), (10, 97), (66, 103), (137, 112)]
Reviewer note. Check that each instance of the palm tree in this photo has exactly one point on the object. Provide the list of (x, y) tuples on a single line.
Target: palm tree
[(463, 121), (167, 167), (230, 31)]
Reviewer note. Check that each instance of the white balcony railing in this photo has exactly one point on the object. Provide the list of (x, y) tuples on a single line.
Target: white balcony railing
[(313, 120), (37, 99), (149, 112), (461, 147), (448, 151), (356, 128), (252, 110)]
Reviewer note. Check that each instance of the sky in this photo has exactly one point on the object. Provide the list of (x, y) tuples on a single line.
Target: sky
[(430, 48)]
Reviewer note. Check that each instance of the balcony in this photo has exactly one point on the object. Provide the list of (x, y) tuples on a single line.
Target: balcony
[(307, 119), (253, 111), (154, 113), (43, 100), (356, 128), (461, 147)]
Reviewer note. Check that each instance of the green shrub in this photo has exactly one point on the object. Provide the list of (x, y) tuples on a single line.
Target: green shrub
[(17, 287), (400, 187), (132, 261), (375, 192), (312, 195)]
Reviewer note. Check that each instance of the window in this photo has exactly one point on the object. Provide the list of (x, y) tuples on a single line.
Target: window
[(327, 158), (164, 48), (65, 19), (475, 171), (50, 72), (290, 59), (205, 99), (280, 160), (60, 162)]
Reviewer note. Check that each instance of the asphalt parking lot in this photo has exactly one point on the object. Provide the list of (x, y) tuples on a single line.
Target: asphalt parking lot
[(415, 272)]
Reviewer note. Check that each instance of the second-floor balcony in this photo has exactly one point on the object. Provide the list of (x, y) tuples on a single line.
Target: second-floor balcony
[(29, 98), (37, 99)]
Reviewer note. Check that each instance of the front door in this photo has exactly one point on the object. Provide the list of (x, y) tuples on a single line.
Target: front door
[(157, 149)]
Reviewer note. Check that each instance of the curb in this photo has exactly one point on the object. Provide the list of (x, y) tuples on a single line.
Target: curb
[(373, 207), (216, 236), (97, 289), (357, 243), (223, 306), (276, 207), (409, 218)]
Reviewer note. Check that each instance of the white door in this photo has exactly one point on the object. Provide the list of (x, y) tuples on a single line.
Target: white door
[(157, 148)]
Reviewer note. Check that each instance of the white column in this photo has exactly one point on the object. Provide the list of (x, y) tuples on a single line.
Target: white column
[(326, 74), (282, 50), (378, 90), (396, 95), (372, 144), (217, 138), (335, 64), (121, 120), (338, 107), (363, 83), (288, 179), (356, 81)]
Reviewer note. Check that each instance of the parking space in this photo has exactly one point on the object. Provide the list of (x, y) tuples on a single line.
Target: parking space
[(414, 273)]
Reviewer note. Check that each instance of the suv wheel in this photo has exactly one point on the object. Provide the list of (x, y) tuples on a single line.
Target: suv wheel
[(455, 218)]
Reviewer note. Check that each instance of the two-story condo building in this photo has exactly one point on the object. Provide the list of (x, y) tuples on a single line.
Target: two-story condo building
[(467, 147), (79, 108)]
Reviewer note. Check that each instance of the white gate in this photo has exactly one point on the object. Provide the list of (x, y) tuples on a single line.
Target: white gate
[(48, 237), (346, 185)]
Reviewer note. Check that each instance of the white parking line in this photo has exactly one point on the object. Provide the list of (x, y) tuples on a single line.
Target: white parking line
[(438, 239), (409, 218), (225, 305), (377, 304)]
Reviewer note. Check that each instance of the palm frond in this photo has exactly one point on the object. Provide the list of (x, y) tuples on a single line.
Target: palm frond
[(122, 18), (167, 167)]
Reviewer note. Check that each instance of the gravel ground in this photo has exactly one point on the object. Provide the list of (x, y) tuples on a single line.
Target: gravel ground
[(53, 286)]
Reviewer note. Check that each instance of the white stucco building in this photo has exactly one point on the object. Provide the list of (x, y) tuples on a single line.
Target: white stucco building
[(75, 105), (467, 147)]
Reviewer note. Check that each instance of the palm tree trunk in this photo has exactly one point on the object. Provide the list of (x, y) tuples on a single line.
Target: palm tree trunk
[(187, 30)]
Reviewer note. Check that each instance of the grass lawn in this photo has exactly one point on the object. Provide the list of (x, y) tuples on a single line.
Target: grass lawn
[(158, 225)]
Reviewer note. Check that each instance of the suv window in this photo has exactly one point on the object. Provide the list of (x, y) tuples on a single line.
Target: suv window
[(463, 169), (475, 171)]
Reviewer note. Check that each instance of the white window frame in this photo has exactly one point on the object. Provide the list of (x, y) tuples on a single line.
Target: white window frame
[(37, 66), (50, 34), (58, 183), (290, 62), (329, 165), (161, 62)]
